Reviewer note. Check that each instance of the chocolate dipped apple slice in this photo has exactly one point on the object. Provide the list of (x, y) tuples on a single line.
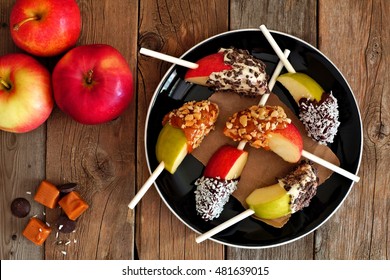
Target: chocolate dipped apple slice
[(231, 69)]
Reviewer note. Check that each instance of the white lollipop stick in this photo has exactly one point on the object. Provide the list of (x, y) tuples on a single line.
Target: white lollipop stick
[(330, 166), (224, 225), (169, 58), (146, 185), (277, 49), (265, 96), (272, 81)]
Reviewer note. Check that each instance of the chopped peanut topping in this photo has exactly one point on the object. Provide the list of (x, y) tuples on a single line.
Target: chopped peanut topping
[(253, 124), (195, 118)]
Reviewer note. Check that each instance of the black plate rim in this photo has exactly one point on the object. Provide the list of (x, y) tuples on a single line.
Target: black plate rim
[(163, 80)]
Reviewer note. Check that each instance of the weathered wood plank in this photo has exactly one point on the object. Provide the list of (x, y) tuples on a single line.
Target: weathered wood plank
[(299, 19), (21, 169), (100, 158), (354, 35), (170, 27)]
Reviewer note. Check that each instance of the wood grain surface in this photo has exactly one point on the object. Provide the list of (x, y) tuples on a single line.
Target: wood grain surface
[(108, 161)]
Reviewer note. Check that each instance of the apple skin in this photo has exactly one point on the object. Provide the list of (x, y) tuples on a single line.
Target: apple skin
[(226, 163), (93, 84), (287, 143), (206, 66), (26, 99), (55, 29)]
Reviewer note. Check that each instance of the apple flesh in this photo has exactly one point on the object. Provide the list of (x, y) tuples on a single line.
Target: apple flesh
[(226, 163), (25, 93), (301, 86), (171, 147), (45, 27), (93, 84), (287, 143), (270, 202), (206, 66)]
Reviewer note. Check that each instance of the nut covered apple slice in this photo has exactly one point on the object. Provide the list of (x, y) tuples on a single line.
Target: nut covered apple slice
[(231, 69), (183, 131), (266, 127)]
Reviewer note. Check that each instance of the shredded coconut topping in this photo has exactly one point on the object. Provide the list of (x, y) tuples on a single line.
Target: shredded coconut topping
[(320, 118), (247, 76), (211, 195)]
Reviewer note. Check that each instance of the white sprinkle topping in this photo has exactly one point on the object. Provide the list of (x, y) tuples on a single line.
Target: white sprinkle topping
[(63, 252), (320, 118), (211, 195), (28, 192)]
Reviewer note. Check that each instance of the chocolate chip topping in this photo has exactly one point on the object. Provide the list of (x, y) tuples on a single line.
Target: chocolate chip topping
[(20, 207), (211, 195), (320, 118), (301, 184), (247, 76)]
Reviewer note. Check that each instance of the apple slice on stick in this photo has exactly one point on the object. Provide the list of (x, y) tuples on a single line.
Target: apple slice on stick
[(183, 131), (318, 110), (291, 69)]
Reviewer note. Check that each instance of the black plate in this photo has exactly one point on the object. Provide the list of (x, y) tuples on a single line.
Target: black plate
[(177, 190)]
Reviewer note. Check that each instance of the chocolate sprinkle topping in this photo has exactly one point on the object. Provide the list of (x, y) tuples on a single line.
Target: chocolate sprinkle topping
[(247, 76), (211, 195), (320, 118), (301, 184)]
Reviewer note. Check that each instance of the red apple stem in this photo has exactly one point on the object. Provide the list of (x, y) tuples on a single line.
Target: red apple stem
[(5, 84), (89, 76), (19, 24)]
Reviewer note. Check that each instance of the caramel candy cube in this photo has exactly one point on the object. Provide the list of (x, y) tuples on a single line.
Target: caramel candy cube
[(73, 205), (47, 194), (36, 231)]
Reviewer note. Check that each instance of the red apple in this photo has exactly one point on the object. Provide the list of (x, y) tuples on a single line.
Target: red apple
[(206, 66), (287, 143), (25, 93), (226, 163), (45, 27), (92, 83)]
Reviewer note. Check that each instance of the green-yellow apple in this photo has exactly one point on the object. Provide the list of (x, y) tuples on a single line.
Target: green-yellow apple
[(291, 194), (25, 93), (45, 27), (226, 163), (301, 86), (270, 202), (93, 83), (286, 143), (171, 147)]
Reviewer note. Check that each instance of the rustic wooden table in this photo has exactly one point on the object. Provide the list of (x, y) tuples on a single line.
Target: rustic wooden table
[(108, 161)]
